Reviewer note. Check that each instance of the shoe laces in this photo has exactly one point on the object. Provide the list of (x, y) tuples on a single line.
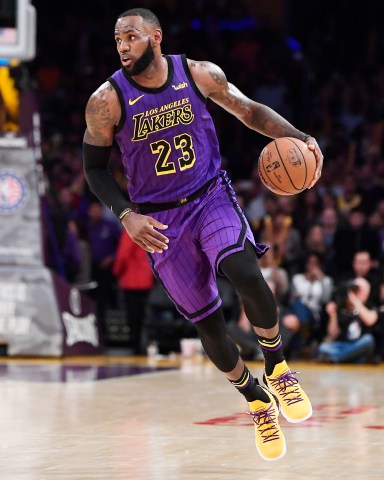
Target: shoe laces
[(266, 418), (288, 387)]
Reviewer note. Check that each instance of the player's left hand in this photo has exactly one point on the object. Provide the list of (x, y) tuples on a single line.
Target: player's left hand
[(314, 146)]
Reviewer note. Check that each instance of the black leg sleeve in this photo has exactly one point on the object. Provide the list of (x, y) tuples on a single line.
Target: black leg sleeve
[(243, 270), (217, 344)]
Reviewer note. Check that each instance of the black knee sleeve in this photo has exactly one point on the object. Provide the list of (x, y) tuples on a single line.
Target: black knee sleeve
[(243, 270), (219, 347)]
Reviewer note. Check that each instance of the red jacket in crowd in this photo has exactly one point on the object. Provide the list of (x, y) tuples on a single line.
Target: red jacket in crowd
[(131, 265)]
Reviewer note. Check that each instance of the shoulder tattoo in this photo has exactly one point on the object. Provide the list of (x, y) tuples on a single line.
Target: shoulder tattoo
[(217, 76), (97, 111)]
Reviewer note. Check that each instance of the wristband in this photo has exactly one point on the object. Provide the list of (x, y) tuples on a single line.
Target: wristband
[(124, 213)]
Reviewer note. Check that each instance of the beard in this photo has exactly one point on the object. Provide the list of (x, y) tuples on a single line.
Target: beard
[(142, 63)]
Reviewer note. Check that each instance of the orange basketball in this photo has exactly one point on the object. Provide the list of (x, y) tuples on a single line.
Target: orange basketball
[(286, 166)]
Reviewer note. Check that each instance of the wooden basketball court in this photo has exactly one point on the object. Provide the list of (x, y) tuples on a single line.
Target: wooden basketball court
[(133, 418)]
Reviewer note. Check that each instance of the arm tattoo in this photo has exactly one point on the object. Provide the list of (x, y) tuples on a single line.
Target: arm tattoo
[(232, 102), (99, 117), (260, 118), (98, 113), (256, 116), (229, 97), (269, 122), (220, 79)]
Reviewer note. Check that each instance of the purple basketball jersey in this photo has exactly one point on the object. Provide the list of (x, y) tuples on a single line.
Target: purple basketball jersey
[(169, 150), (166, 136)]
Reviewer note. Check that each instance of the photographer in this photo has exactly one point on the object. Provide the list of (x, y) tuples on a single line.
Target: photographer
[(350, 325)]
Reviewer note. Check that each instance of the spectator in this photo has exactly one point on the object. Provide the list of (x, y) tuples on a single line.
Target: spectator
[(103, 235), (314, 240), (308, 211), (329, 220), (328, 199), (303, 314), (355, 235), (285, 241), (289, 325), (349, 198), (380, 325), (273, 91), (376, 222), (62, 248), (378, 189), (366, 187), (83, 277), (255, 207), (135, 280), (273, 273), (350, 325), (310, 291)]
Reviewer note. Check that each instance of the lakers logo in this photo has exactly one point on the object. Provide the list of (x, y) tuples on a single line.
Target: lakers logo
[(144, 126)]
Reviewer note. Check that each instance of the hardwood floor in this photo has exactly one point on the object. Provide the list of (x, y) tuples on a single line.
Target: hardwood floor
[(130, 418)]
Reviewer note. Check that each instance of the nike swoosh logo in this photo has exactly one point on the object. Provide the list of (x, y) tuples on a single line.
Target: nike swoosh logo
[(132, 102)]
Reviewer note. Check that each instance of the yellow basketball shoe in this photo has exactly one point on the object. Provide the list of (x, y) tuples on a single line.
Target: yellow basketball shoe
[(294, 403), (270, 441)]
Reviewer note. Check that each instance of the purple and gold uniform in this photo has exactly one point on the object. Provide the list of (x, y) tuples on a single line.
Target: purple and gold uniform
[(170, 150)]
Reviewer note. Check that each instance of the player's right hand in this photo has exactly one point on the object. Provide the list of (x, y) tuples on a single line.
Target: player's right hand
[(144, 231), (314, 146)]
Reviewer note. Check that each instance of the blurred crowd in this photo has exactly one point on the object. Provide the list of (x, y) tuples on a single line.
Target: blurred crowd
[(326, 259)]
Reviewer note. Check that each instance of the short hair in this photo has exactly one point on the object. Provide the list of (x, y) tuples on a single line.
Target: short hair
[(318, 255), (147, 15)]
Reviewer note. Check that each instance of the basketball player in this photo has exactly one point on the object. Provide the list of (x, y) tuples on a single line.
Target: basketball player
[(182, 208)]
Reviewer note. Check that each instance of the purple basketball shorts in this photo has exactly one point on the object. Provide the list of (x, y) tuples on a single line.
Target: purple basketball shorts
[(201, 233)]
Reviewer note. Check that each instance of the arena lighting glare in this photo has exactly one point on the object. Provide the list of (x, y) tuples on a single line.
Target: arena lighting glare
[(17, 29)]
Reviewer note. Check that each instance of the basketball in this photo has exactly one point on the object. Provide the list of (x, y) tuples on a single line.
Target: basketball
[(286, 166)]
